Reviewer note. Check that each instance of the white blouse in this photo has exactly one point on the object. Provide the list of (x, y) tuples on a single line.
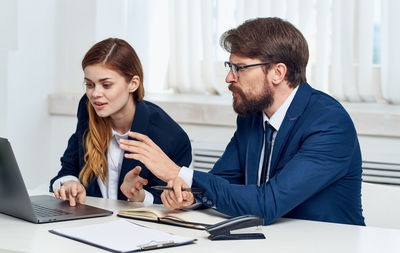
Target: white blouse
[(115, 156)]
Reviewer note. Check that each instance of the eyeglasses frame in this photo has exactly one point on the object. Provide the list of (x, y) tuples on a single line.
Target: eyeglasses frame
[(236, 69)]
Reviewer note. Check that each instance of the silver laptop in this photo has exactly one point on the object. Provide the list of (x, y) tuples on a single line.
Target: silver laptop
[(15, 201)]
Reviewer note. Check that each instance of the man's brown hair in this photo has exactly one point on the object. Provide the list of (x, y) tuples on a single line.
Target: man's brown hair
[(270, 40)]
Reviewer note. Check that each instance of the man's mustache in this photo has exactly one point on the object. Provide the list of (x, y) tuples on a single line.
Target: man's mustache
[(235, 89)]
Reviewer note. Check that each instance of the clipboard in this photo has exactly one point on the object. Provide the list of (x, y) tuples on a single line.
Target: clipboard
[(122, 236)]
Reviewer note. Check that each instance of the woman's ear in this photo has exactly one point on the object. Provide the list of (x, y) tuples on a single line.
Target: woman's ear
[(280, 70), (134, 84)]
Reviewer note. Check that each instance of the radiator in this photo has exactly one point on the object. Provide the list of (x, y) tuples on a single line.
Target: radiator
[(379, 172), (204, 159)]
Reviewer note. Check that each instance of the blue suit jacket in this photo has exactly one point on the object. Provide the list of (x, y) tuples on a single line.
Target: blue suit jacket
[(315, 166), (150, 120)]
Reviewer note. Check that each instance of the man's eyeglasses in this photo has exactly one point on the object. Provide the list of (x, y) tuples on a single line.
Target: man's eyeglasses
[(235, 68)]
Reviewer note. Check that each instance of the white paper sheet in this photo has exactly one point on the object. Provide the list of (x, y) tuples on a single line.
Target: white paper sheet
[(122, 236)]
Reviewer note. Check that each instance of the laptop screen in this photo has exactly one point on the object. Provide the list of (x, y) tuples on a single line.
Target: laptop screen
[(16, 202), (13, 194)]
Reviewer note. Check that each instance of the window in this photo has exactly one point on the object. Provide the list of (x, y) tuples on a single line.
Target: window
[(349, 44), (353, 43)]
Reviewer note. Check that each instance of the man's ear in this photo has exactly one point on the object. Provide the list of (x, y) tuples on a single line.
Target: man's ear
[(134, 84), (280, 70)]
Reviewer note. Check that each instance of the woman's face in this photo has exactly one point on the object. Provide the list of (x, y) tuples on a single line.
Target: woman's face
[(108, 91)]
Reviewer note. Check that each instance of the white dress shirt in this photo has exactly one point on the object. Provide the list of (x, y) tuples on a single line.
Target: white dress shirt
[(115, 156), (276, 120)]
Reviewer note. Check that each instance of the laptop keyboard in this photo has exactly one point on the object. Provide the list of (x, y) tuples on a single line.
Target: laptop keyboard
[(42, 211)]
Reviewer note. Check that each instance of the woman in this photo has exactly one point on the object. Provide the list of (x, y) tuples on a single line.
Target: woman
[(93, 163)]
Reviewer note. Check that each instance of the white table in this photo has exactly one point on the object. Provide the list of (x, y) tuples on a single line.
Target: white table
[(286, 235)]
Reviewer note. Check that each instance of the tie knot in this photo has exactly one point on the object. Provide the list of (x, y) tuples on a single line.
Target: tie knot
[(268, 126)]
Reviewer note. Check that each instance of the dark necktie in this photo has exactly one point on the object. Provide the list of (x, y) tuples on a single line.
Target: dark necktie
[(269, 130)]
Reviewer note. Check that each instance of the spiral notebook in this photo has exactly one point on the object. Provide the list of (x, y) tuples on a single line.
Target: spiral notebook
[(122, 236)]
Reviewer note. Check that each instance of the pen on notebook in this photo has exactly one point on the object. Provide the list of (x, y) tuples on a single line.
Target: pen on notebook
[(162, 188)]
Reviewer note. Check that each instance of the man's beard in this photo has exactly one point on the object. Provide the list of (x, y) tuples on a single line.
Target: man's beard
[(244, 105)]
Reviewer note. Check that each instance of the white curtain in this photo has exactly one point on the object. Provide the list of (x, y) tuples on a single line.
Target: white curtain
[(390, 51), (343, 84), (192, 49), (341, 35)]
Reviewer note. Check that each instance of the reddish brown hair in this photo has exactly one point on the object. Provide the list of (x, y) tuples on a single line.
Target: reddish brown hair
[(118, 55)]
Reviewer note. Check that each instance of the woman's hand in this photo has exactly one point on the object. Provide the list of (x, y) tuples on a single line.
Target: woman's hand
[(177, 199), (72, 191), (132, 187), (146, 151)]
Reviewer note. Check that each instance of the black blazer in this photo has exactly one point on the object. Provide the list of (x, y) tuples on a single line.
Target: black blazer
[(150, 120)]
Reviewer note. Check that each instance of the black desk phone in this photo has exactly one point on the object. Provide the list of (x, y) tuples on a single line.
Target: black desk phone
[(222, 230)]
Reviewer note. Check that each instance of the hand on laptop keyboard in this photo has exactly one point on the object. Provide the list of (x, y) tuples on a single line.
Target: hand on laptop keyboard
[(72, 191)]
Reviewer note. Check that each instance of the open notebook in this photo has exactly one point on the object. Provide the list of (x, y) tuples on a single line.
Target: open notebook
[(122, 236), (185, 218)]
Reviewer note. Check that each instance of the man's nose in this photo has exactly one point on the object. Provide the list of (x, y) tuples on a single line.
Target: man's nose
[(230, 77)]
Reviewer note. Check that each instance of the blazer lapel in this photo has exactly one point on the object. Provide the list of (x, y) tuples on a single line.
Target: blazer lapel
[(296, 108), (140, 125), (253, 150)]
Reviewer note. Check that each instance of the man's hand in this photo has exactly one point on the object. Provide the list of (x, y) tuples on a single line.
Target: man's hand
[(177, 199), (72, 191), (132, 187), (146, 151)]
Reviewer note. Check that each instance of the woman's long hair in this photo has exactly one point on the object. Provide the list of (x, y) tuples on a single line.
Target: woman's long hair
[(118, 55)]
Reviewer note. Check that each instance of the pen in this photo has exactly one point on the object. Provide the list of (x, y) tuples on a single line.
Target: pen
[(162, 188)]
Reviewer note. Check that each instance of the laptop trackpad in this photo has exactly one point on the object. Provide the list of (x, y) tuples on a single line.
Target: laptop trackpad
[(48, 208)]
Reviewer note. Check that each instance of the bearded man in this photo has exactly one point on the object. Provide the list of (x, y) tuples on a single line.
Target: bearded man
[(295, 151)]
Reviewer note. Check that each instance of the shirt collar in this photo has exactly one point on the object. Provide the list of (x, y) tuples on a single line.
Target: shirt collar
[(277, 118), (118, 135)]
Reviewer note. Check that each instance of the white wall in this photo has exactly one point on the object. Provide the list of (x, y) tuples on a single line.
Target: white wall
[(8, 12), (3, 90), (29, 77)]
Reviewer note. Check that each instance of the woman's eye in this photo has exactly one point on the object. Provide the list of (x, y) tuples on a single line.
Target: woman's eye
[(89, 85), (106, 85)]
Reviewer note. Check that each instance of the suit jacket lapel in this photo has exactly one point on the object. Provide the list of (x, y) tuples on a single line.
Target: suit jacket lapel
[(296, 108), (253, 150), (140, 125)]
